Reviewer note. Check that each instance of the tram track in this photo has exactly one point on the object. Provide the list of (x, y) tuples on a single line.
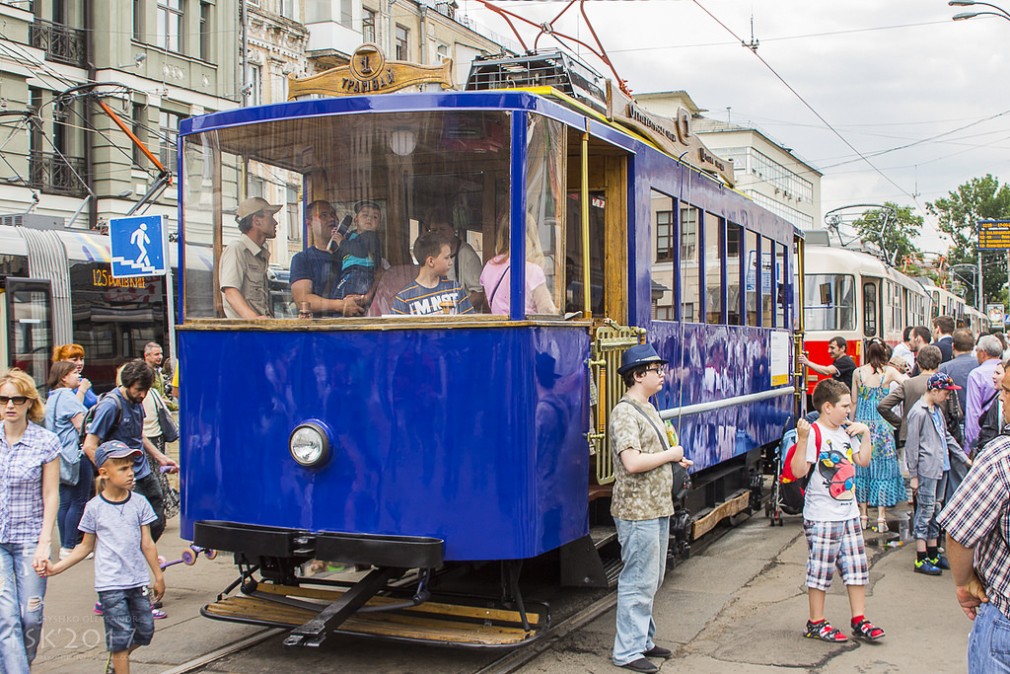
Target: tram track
[(508, 662)]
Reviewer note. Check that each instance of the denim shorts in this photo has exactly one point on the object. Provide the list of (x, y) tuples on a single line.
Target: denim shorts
[(128, 619)]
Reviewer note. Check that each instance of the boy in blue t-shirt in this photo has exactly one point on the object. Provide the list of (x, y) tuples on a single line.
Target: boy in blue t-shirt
[(116, 526), (431, 292)]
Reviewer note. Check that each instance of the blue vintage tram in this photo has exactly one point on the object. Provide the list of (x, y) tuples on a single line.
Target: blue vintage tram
[(423, 443)]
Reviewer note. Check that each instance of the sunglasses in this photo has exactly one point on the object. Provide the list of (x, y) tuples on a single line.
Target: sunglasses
[(17, 400)]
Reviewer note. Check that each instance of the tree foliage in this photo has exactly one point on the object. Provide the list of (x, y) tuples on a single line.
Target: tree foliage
[(958, 214), (894, 229)]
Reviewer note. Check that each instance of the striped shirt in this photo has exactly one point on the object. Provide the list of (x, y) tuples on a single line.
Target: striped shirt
[(978, 516), (419, 300), (21, 482)]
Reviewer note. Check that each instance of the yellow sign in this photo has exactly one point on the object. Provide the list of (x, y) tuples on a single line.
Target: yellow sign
[(368, 72), (994, 234)]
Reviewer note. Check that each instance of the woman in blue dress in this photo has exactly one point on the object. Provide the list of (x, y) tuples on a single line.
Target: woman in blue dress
[(879, 484)]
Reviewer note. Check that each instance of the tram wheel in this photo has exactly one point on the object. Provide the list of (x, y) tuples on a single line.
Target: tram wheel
[(249, 585)]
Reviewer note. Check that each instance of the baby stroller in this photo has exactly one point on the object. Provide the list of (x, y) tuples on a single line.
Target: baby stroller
[(783, 499)]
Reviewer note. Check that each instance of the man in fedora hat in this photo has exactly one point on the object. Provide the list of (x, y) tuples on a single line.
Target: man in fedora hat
[(243, 266), (641, 505)]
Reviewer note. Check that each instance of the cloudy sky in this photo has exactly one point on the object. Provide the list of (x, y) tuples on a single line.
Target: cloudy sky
[(925, 99)]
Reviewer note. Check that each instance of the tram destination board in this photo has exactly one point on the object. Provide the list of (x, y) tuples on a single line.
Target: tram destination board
[(994, 234)]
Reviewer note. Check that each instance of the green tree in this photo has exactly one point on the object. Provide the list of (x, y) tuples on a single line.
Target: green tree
[(958, 214), (894, 229)]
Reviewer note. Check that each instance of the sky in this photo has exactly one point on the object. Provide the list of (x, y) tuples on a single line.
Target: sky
[(924, 99)]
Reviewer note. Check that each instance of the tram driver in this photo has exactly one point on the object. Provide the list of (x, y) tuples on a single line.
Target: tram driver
[(245, 285), (315, 271)]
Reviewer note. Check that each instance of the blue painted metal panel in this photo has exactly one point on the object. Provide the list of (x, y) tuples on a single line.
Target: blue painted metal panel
[(470, 435)]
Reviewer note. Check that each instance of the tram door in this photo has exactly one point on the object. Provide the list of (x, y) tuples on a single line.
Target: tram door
[(872, 308), (27, 312)]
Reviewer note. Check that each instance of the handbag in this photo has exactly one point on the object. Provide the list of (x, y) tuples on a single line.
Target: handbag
[(169, 429), (70, 473)]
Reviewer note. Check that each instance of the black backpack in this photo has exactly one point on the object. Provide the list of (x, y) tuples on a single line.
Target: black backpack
[(89, 416)]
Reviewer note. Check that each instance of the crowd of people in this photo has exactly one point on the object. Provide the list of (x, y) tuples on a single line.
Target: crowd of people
[(924, 422), (50, 454)]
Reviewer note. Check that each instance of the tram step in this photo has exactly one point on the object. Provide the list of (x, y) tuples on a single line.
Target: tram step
[(706, 520), (441, 623), (612, 568), (602, 535)]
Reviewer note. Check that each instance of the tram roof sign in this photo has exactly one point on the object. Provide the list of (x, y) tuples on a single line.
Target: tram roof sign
[(368, 72), (994, 234)]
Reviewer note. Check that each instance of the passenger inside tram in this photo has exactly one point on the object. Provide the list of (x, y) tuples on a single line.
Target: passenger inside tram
[(432, 293), (315, 271), (497, 273)]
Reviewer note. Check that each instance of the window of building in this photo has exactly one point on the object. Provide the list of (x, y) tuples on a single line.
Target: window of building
[(255, 84), (367, 25), (442, 51), (734, 242), (663, 223), (291, 208), (205, 11), (347, 13), (690, 265), (713, 268), (170, 17), (138, 20), (140, 131), (169, 126), (402, 45), (288, 9)]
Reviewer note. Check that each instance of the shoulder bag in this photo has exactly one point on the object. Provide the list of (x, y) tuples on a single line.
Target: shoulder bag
[(169, 429)]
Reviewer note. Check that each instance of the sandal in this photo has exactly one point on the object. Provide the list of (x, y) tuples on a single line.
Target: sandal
[(867, 630), (863, 522), (825, 632), (882, 527)]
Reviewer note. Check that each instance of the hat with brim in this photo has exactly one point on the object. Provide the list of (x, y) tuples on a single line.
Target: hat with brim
[(255, 205), (642, 354), (941, 381), (114, 449)]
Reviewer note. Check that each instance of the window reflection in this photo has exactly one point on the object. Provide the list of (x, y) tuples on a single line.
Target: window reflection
[(690, 290), (663, 237), (713, 268)]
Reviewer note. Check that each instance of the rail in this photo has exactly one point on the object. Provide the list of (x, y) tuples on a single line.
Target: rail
[(698, 408)]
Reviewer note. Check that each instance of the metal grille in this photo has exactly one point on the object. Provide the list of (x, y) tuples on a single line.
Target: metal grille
[(61, 43), (54, 174), (612, 340), (554, 69), (47, 259)]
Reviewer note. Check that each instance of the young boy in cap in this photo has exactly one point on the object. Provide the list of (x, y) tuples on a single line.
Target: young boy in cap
[(927, 452), (116, 526), (641, 505)]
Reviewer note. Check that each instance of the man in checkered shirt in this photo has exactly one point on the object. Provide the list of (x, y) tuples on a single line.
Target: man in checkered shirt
[(977, 520)]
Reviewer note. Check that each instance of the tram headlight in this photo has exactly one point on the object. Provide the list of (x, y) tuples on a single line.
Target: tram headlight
[(309, 444)]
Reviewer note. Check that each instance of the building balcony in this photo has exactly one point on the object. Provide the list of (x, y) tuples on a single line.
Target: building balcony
[(61, 43), (53, 174)]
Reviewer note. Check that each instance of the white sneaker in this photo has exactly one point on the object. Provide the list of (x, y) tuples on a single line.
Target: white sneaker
[(65, 552)]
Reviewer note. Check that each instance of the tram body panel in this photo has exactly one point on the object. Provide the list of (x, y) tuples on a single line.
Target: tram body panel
[(445, 433)]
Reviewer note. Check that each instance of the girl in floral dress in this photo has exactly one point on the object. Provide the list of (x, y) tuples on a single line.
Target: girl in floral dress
[(879, 484)]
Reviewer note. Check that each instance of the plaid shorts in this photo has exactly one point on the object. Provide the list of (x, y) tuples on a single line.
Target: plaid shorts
[(834, 544)]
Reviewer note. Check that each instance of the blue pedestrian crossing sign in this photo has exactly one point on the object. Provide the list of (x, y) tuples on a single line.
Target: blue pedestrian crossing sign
[(138, 247)]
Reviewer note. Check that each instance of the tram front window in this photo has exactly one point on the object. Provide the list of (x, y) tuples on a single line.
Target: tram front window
[(369, 186), (831, 301)]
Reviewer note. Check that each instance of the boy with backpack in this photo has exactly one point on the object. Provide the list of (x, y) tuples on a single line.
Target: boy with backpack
[(117, 528), (830, 514)]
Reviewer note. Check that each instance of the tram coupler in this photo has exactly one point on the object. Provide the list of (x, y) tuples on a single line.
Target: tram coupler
[(313, 633)]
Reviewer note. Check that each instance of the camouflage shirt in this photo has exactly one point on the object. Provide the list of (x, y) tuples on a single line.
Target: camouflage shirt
[(639, 496)]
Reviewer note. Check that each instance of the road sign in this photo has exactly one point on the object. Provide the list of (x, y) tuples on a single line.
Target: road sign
[(994, 234), (138, 246)]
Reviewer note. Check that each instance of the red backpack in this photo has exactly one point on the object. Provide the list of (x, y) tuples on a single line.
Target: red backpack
[(792, 489)]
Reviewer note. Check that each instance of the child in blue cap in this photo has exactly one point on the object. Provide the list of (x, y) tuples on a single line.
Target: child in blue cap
[(116, 526)]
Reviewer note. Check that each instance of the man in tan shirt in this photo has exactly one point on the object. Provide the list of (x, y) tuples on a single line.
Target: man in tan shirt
[(243, 266)]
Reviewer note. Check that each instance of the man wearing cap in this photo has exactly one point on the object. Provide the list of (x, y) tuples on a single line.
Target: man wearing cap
[(641, 505), (928, 449), (243, 265), (315, 271)]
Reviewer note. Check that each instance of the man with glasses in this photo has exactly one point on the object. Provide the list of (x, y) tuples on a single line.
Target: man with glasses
[(642, 504), (978, 550)]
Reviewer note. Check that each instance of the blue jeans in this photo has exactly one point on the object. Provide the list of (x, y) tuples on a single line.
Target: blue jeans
[(643, 550), (150, 487), (128, 619), (989, 642), (21, 599), (73, 498), (927, 507)]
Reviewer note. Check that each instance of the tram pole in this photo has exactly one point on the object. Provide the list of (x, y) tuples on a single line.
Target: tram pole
[(169, 291)]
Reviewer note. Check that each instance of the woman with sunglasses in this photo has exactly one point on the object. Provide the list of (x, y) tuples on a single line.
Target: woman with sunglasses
[(75, 354), (29, 500)]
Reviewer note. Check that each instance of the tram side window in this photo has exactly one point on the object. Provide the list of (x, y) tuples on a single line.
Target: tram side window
[(574, 276), (713, 268), (782, 286), (753, 269), (664, 223), (767, 281), (870, 310), (545, 205), (831, 300), (690, 255), (734, 243)]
